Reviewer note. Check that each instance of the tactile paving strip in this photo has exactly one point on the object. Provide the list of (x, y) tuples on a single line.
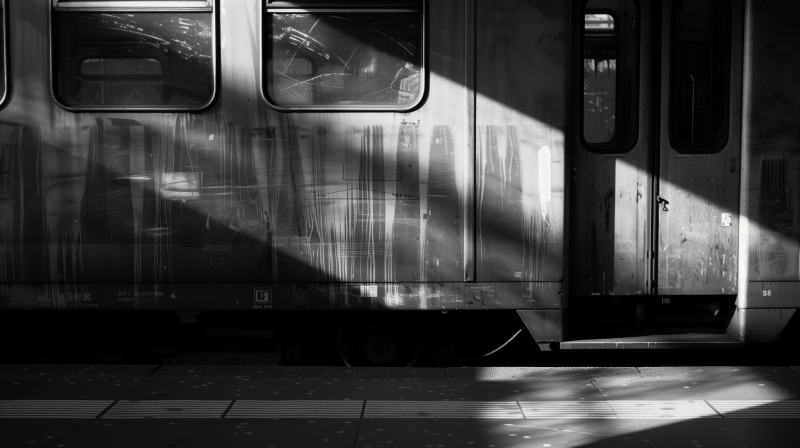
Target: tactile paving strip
[(442, 409), (527, 410), (296, 409), (567, 409), (757, 408), (52, 408), (168, 409), (641, 409)]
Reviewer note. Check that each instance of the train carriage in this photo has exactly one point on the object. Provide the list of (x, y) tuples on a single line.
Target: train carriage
[(618, 173)]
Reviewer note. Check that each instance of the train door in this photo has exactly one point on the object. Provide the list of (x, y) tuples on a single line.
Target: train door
[(612, 153), (654, 188), (700, 147)]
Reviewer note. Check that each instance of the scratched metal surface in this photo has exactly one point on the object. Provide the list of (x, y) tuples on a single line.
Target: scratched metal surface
[(520, 118), (610, 213), (774, 142), (697, 251), (243, 194)]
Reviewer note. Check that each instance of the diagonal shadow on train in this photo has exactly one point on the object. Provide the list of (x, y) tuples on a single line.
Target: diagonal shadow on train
[(200, 224), (77, 230), (110, 203)]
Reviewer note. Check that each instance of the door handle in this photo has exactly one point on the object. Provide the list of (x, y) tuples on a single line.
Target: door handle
[(661, 200)]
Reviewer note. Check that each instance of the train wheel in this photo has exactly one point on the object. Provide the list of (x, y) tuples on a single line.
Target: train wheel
[(379, 343), (109, 346)]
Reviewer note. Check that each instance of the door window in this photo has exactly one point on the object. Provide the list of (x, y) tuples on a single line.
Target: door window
[(700, 76), (609, 118)]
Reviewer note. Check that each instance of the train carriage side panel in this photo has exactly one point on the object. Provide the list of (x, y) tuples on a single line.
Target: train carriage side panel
[(522, 60), (521, 118), (770, 271), (211, 209), (773, 141)]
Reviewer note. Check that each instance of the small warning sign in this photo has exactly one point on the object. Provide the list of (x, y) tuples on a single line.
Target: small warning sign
[(263, 295)]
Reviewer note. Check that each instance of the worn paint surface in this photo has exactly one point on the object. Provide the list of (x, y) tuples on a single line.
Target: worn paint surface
[(697, 254), (774, 171), (519, 227), (610, 214), (697, 244), (520, 117), (238, 194), (609, 226), (613, 204)]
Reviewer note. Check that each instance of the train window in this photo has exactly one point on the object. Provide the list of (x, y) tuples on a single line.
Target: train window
[(3, 52), (133, 55), (599, 78), (339, 55), (609, 117), (700, 76)]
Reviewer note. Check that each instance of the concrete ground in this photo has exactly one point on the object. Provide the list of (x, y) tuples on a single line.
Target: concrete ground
[(231, 406)]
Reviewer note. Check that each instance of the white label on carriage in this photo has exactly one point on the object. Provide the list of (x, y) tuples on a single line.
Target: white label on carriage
[(726, 220), (369, 291)]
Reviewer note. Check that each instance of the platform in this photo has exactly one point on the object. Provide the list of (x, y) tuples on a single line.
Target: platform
[(272, 407), (708, 341)]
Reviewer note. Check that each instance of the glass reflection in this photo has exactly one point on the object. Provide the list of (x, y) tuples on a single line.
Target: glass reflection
[(343, 59), (609, 51), (599, 78), (133, 60)]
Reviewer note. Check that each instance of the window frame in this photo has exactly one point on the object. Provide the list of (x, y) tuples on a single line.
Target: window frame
[(671, 86), (620, 143), (138, 6), (345, 6), (5, 59)]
